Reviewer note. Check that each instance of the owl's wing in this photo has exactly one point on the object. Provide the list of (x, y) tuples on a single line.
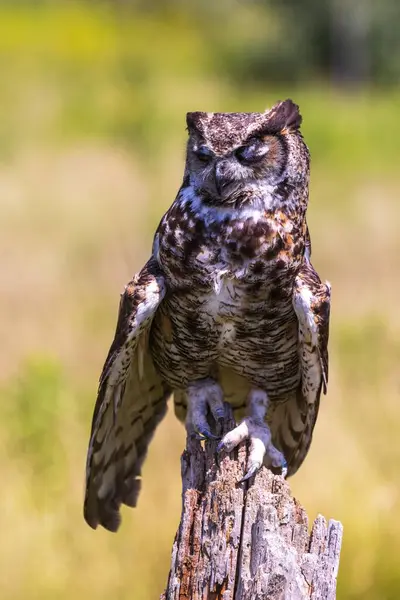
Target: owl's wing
[(294, 420), (131, 401), (312, 301)]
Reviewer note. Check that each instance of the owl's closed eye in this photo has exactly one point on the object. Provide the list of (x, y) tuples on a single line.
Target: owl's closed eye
[(259, 158)]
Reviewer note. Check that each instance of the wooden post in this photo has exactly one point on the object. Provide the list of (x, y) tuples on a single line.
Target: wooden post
[(247, 541)]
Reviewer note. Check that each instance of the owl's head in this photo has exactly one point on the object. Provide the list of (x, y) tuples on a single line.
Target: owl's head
[(234, 156)]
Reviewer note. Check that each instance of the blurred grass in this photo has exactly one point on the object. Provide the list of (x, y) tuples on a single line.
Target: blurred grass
[(91, 147)]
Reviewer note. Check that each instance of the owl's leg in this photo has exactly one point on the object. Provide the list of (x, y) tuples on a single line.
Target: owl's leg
[(257, 431), (204, 395)]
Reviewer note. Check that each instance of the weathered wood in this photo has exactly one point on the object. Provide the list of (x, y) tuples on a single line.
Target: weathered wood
[(241, 541)]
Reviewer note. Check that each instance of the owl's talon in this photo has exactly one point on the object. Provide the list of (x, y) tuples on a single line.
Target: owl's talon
[(252, 471), (284, 469), (206, 434), (204, 396), (255, 429)]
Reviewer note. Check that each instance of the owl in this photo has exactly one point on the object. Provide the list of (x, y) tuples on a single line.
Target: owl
[(228, 308)]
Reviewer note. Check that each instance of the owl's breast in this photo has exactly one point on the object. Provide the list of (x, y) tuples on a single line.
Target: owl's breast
[(232, 325), (242, 245)]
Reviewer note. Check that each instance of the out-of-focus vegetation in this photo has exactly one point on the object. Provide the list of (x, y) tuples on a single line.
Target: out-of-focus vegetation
[(92, 102)]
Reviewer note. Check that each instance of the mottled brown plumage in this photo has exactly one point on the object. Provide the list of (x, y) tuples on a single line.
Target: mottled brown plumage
[(228, 307)]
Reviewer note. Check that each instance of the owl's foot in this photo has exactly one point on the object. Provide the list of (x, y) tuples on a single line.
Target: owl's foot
[(203, 396), (257, 431), (261, 446)]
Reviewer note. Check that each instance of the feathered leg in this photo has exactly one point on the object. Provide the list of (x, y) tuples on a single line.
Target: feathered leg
[(203, 396)]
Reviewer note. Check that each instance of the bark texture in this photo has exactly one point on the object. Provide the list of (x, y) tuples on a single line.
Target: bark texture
[(247, 541)]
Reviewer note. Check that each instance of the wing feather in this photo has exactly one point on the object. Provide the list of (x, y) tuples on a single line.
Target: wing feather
[(131, 401), (293, 420), (311, 301)]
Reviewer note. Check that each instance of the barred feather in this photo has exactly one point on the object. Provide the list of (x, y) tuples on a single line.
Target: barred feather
[(130, 404)]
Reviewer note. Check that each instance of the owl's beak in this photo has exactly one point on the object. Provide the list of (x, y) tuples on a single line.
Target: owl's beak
[(221, 169)]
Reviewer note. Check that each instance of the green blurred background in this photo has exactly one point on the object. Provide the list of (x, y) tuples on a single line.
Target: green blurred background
[(93, 97)]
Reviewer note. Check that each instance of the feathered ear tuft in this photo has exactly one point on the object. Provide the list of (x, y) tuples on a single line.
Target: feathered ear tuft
[(194, 121), (284, 115)]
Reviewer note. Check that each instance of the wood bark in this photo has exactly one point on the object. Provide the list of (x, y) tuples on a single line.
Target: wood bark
[(247, 541)]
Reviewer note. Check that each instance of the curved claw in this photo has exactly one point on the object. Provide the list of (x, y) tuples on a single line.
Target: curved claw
[(206, 434), (284, 469), (252, 471)]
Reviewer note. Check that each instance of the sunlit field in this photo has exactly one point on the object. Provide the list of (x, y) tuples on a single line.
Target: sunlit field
[(92, 135)]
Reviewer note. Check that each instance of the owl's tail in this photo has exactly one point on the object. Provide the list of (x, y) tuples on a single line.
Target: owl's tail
[(292, 423)]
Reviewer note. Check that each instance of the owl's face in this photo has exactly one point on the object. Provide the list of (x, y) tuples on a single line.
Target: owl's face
[(238, 155), (221, 175)]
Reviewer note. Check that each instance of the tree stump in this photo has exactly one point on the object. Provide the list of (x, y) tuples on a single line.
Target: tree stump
[(247, 541)]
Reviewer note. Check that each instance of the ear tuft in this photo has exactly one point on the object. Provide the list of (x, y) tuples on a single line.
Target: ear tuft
[(194, 121), (284, 115)]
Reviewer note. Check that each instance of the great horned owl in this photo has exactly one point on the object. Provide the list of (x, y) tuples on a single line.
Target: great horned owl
[(228, 307)]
